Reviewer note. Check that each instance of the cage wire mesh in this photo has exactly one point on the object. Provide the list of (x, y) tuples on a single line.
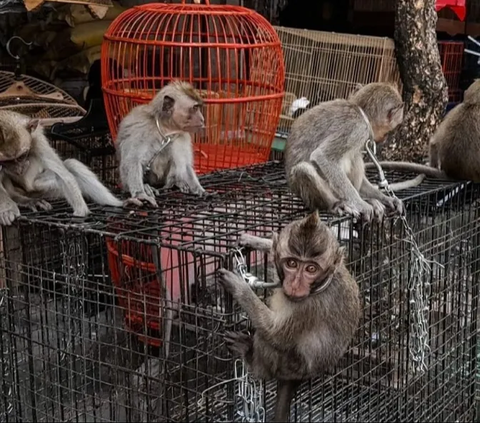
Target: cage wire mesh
[(119, 317), (322, 66)]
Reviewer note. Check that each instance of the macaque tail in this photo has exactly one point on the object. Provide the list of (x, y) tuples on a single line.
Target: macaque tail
[(285, 392), (90, 185), (410, 167)]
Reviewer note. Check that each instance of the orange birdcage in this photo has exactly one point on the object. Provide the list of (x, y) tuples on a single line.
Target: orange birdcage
[(231, 54)]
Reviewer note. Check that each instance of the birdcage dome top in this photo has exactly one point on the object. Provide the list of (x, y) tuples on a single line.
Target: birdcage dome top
[(162, 23)]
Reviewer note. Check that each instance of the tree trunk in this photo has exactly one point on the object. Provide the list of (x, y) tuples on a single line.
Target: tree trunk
[(424, 86)]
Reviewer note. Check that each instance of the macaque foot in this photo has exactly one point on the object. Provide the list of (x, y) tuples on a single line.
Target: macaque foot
[(378, 208), (38, 204), (364, 211), (231, 282), (9, 214), (140, 201), (151, 191), (239, 343), (394, 205)]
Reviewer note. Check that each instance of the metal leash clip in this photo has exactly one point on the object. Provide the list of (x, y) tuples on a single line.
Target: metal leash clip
[(249, 278)]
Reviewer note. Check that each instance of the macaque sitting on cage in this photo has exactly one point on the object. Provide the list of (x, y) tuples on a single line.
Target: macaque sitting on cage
[(323, 155), (454, 148), (31, 172), (154, 144), (311, 318)]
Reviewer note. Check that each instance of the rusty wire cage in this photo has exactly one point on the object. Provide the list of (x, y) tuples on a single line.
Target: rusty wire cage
[(231, 54), (74, 348), (451, 56), (322, 66)]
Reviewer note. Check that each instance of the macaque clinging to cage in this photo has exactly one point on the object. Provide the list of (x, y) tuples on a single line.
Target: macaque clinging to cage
[(31, 172), (454, 148), (310, 320), (323, 155), (154, 143)]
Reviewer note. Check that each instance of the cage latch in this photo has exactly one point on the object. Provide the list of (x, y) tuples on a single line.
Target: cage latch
[(249, 278)]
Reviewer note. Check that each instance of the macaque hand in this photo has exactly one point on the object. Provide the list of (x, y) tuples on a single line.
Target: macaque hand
[(239, 343), (231, 282), (139, 201), (81, 211), (9, 213)]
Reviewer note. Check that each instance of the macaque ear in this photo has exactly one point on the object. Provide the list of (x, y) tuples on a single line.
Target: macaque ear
[(168, 103), (32, 125)]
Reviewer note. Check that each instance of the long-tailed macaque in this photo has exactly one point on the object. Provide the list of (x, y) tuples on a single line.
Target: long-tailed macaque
[(323, 155), (31, 172), (310, 320), (154, 143), (454, 149)]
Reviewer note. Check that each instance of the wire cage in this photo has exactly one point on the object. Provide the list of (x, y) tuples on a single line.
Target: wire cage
[(322, 66), (67, 353), (231, 54), (451, 56)]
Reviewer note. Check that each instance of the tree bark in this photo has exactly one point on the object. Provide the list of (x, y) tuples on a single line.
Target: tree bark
[(424, 87)]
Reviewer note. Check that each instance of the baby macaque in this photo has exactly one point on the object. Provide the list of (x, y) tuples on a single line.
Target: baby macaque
[(310, 320), (31, 172), (323, 155), (154, 143), (454, 148)]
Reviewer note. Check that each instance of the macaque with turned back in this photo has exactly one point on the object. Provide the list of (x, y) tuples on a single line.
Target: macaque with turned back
[(454, 149), (154, 144), (323, 155), (31, 172), (310, 320)]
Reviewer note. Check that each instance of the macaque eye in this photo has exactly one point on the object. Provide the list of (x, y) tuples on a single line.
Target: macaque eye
[(291, 263), (196, 108), (311, 268)]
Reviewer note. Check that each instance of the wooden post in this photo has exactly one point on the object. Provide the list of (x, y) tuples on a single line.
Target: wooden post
[(424, 86)]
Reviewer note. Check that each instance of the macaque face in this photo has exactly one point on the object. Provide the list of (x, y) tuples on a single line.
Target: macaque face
[(306, 255), (299, 276), (17, 165), (185, 113), (393, 118)]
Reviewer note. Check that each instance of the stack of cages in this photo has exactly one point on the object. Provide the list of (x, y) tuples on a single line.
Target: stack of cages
[(120, 317), (322, 66)]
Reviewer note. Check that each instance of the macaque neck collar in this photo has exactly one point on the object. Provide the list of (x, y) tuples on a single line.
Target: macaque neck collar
[(166, 138), (324, 285), (370, 129)]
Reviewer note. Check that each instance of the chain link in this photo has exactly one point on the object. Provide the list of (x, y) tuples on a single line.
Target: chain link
[(418, 286)]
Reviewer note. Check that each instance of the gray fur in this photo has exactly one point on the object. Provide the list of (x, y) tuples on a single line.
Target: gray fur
[(139, 141), (323, 155), (295, 340), (454, 149), (45, 175)]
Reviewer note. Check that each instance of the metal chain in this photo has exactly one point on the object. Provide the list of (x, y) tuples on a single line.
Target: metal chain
[(418, 285), (251, 393), (249, 390)]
